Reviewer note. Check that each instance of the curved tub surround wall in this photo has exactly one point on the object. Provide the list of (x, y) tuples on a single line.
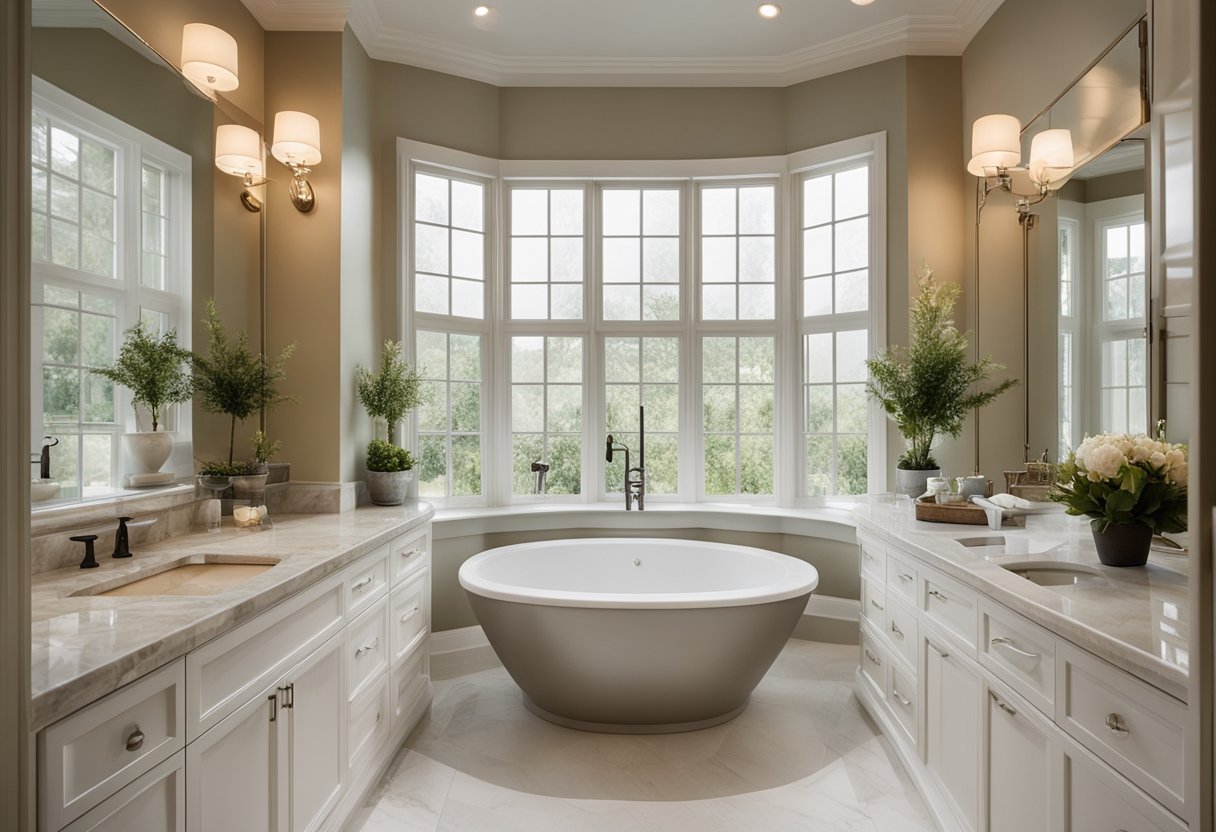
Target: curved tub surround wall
[(637, 636), (830, 546)]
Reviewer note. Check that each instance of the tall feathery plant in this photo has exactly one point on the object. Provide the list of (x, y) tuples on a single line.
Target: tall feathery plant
[(928, 388), (393, 391), (153, 368)]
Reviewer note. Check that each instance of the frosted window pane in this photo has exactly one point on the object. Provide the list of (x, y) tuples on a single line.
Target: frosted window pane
[(718, 260), (661, 260), (853, 244), (65, 198), (467, 205), (852, 291), (466, 357), (816, 201), (468, 254), (565, 360), (622, 212), (757, 260), (1116, 251), (819, 409), (662, 407), (621, 303), (660, 302), (851, 412), (566, 210), (529, 212), (431, 294), (98, 166), (622, 260), (567, 302), (757, 209), (431, 199), (662, 360), (432, 354), (567, 259), (851, 352), (852, 193), (661, 213), (718, 303), (468, 298), (817, 251), (756, 408), (756, 302), (718, 211), (1136, 259), (65, 153), (529, 260), (756, 360), (528, 407), (621, 359), (818, 359), (430, 249), (565, 408), (817, 296), (528, 301), (718, 361)]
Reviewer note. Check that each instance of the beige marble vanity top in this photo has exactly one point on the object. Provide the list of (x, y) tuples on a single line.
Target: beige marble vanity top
[(87, 646), (1136, 618)]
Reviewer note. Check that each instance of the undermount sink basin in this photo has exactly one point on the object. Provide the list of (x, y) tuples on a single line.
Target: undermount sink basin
[(209, 576), (1053, 574), (999, 544)]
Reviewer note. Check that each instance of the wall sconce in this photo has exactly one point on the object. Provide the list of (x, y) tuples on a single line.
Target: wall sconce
[(996, 154), (238, 151), (297, 144), (1051, 158), (209, 59)]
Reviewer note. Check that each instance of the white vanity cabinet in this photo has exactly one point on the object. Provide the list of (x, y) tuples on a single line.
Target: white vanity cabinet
[(278, 725), (1003, 725)]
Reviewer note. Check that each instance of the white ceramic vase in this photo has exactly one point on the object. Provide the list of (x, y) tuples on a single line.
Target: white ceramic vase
[(148, 450)]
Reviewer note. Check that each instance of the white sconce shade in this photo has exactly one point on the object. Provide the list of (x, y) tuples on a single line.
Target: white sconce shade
[(996, 144), (209, 58), (1051, 156), (238, 150), (297, 138)]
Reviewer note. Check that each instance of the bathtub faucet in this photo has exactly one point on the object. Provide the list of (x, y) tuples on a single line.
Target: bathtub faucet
[(635, 487)]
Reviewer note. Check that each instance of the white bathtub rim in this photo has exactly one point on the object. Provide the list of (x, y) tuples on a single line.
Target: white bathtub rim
[(801, 579)]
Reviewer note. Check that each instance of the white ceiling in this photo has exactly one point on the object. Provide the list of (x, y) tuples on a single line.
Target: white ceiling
[(639, 42)]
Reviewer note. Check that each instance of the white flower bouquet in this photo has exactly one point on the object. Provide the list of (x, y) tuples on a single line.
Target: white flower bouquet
[(1122, 481)]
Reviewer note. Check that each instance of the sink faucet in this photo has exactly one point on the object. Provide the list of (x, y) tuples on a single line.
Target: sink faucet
[(635, 486), (43, 458), (540, 469)]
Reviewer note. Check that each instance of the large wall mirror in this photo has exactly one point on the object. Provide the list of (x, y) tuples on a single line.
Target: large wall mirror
[(131, 221), (1090, 261)]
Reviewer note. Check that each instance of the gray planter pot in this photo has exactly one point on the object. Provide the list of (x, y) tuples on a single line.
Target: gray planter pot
[(249, 487), (279, 472), (914, 483), (387, 488)]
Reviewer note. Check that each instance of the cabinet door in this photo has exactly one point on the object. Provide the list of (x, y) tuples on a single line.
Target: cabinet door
[(233, 771), (952, 728), (1019, 770), (316, 716), (155, 802)]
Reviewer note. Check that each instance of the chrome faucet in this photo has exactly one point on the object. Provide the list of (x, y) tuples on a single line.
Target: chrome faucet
[(540, 470), (635, 486)]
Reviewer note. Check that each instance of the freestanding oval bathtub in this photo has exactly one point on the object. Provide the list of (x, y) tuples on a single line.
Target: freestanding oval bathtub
[(636, 635)]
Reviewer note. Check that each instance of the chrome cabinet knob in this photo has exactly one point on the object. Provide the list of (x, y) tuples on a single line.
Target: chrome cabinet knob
[(1116, 725)]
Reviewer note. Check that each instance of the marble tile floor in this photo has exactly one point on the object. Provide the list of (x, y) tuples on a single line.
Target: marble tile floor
[(803, 756)]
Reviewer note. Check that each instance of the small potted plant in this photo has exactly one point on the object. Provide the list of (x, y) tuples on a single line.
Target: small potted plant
[(153, 368), (263, 451), (389, 395), (231, 379), (1131, 488), (928, 388)]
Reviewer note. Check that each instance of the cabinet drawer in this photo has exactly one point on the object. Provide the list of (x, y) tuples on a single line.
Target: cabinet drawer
[(873, 603), (1134, 727), (901, 698), (90, 755), (1021, 653), (903, 630), (409, 553), (873, 557), (368, 725), (410, 682), (366, 582), (408, 615), (951, 605), (155, 801), (367, 649), (228, 671), (873, 661), (901, 578), (1100, 801)]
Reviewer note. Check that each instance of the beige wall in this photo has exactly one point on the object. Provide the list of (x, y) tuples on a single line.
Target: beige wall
[(999, 77)]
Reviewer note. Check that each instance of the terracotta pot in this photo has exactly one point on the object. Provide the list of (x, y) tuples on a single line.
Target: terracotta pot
[(1123, 545)]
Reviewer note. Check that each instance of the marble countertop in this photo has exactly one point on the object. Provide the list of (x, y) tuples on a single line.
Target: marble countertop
[(1135, 618), (85, 647)]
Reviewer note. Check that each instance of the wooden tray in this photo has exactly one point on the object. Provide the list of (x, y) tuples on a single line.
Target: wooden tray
[(967, 514)]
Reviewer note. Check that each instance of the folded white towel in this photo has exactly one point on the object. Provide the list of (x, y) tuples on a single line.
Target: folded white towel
[(1009, 501)]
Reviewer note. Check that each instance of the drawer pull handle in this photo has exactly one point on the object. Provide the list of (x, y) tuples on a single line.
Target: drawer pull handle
[(939, 651), (409, 614), (358, 585), (136, 740), (905, 578), (873, 658), (1007, 643), (1117, 726), (368, 647), (900, 698), (288, 696), (411, 553), (899, 634), (933, 593), (875, 605), (274, 706)]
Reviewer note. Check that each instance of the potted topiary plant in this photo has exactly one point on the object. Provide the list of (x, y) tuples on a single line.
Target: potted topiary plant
[(928, 388), (263, 451), (231, 379), (153, 368), (389, 395)]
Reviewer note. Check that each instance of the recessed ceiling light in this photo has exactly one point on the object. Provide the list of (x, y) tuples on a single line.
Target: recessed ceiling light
[(862, 2), (769, 10), (481, 11)]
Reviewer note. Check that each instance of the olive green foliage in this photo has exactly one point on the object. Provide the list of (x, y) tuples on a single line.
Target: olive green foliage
[(1139, 495), (225, 469), (153, 368), (263, 449), (235, 381), (929, 388), (393, 391), (387, 457)]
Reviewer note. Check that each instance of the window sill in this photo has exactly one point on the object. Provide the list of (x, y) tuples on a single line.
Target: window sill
[(828, 522)]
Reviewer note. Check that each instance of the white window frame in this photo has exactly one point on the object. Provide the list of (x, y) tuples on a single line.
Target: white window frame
[(1073, 325), (787, 329), (133, 148)]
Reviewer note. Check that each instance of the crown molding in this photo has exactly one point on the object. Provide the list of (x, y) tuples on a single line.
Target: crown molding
[(300, 15), (908, 35)]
